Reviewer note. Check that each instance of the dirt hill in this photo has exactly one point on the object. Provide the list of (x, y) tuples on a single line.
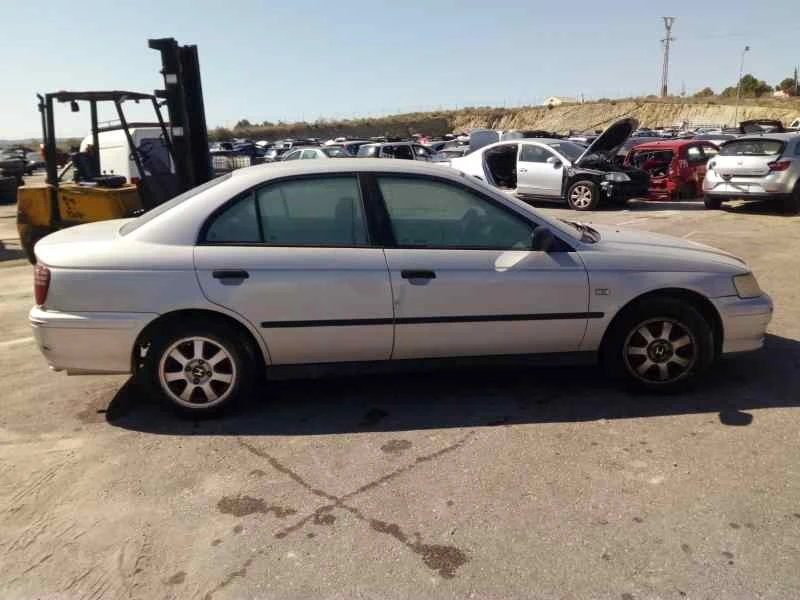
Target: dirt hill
[(580, 117)]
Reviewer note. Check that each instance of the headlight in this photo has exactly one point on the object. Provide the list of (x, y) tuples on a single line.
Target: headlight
[(746, 286), (616, 177)]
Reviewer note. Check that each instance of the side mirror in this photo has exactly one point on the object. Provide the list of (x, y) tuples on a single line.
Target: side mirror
[(554, 161), (542, 239)]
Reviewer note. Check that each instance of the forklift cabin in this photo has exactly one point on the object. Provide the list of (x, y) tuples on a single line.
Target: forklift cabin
[(90, 194)]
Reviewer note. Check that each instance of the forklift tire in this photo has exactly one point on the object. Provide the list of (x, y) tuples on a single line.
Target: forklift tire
[(28, 240), (8, 190)]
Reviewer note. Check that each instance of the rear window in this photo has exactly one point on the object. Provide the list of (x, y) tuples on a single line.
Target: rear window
[(647, 159), (752, 148), (180, 199), (368, 151)]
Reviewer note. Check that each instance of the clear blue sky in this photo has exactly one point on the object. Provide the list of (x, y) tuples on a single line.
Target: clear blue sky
[(269, 60)]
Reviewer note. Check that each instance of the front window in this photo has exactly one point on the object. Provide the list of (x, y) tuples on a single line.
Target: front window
[(293, 155), (334, 152), (431, 214), (309, 154), (753, 147), (369, 151), (570, 150), (533, 153)]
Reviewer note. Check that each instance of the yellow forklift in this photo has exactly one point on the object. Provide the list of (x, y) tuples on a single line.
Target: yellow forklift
[(82, 192)]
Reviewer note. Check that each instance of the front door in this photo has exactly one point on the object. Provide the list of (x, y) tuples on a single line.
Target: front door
[(294, 258), (535, 175), (465, 282)]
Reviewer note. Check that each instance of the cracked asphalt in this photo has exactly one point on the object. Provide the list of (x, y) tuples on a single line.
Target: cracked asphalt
[(498, 482)]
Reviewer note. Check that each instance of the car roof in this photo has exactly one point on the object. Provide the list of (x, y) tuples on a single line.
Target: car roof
[(666, 144), (392, 143), (781, 137), (261, 173)]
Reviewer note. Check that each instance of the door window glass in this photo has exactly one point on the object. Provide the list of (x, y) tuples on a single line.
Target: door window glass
[(710, 151), (433, 214), (309, 154), (422, 152), (403, 152), (694, 154), (324, 211), (236, 224), (292, 155), (535, 154)]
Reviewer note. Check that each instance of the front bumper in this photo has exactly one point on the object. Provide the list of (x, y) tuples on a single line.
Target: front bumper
[(87, 343), (744, 322), (622, 191)]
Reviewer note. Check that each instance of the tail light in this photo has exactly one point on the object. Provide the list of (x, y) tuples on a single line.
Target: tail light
[(779, 165), (41, 283)]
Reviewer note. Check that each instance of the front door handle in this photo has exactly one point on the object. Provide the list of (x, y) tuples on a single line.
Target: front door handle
[(230, 274), (414, 274)]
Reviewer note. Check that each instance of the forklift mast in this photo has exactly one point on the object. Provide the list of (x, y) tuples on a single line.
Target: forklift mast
[(183, 92)]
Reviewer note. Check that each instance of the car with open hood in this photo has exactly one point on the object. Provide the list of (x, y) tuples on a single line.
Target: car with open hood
[(322, 262), (560, 170)]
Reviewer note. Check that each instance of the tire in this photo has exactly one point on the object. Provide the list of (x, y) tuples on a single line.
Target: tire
[(583, 195), (8, 189), (791, 204), (200, 369), (667, 334), (712, 203)]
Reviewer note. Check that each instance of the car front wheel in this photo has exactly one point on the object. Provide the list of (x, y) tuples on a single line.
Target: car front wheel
[(200, 369), (659, 344), (583, 195)]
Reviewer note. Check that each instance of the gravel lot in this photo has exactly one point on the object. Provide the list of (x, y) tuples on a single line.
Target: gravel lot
[(504, 482)]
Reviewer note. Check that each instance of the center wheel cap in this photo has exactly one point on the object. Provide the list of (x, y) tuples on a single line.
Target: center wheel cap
[(660, 351)]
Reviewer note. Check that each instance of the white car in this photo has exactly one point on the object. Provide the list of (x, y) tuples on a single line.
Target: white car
[(312, 152), (369, 260), (560, 170)]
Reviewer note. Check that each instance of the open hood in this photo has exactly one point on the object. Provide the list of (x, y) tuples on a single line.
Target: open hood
[(610, 141)]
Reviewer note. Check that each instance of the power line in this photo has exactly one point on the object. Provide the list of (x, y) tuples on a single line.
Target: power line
[(668, 21)]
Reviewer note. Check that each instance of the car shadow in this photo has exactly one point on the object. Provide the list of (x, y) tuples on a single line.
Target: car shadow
[(756, 207), (660, 205), (12, 253), (485, 397)]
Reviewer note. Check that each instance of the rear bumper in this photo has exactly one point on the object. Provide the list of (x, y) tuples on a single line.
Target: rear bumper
[(744, 322), (87, 343)]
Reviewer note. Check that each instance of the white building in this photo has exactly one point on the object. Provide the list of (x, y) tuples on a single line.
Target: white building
[(559, 100)]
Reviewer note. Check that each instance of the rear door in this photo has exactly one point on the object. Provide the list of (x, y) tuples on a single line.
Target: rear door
[(537, 176), (295, 259), (464, 280)]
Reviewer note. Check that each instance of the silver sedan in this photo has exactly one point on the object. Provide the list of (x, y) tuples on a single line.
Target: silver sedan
[(367, 260)]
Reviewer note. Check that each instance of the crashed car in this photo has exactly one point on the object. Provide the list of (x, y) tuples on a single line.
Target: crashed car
[(676, 167), (560, 170)]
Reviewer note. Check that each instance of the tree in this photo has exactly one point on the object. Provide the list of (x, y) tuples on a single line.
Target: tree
[(243, 123), (706, 92), (751, 87), (787, 86)]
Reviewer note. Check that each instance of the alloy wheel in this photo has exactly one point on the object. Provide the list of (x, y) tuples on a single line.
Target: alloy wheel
[(581, 196), (660, 351), (197, 372)]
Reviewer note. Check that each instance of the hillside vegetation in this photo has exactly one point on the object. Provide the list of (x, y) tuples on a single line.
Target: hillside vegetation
[(587, 116)]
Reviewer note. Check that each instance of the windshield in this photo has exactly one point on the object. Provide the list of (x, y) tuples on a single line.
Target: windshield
[(151, 214), (570, 150), (755, 147)]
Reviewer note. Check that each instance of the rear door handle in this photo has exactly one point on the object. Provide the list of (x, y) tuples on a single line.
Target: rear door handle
[(230, 274), (412, 274), (523, 170)]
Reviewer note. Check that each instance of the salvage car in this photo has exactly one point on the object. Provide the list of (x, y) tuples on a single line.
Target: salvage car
[(560, 170), (676, 167), (302, 153), (756, 167), (401, 150), (380, 262)]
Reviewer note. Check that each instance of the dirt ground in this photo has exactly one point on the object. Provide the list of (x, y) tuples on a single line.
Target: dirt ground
[(483, 483)]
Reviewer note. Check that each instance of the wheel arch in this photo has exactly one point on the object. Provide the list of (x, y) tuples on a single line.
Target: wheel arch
[(696, 300), (141, 345)]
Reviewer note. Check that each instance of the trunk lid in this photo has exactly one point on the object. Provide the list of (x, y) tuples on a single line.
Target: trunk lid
[(747, 157), (606, 146)]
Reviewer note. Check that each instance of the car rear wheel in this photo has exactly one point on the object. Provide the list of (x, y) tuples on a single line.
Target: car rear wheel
[(200, 369), (583, 195), (791, 204), (660, 344), (712, 203)]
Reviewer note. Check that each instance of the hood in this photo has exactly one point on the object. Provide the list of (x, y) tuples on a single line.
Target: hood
[(610, 141), (645, 249)]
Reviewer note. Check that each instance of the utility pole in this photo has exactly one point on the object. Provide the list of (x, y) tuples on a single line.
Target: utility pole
[(668, 21), (739, 87)]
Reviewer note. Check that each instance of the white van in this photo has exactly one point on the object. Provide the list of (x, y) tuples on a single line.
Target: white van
[(116, 158)]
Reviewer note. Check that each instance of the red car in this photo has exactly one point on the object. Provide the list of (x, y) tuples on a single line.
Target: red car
[(676, 167)]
